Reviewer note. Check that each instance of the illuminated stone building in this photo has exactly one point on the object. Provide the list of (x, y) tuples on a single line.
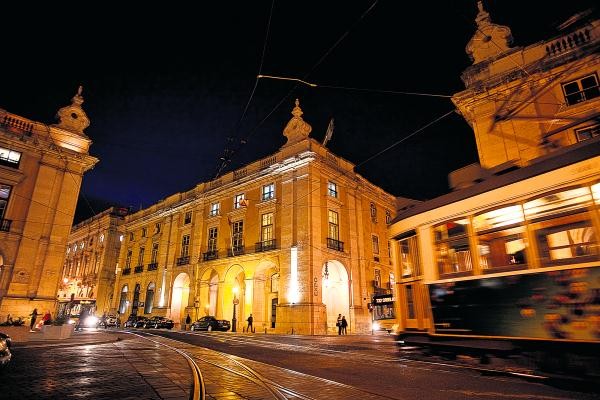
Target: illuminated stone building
[(535, 114), (295, 238), (41, 167), (88, 275)]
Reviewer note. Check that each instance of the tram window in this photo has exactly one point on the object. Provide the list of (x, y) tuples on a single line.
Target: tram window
[(564, 239), (409, 257), (502, 249), (452, 248), (558, 203)]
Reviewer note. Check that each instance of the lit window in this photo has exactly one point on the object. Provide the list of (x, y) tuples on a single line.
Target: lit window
[(81, 245), (120, 238), (373, 212), (101, 238), (238, 235), (214, 209), (452, 247), (334, 228), (239, 201), (4, 194), (266, 228), (268, 192), (580, 90), (332, 189), (409, 255), (9, 158), (587, 133), (185, 246)]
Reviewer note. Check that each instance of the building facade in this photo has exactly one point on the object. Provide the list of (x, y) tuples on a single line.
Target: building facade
[(41, 168), (293, 239), (530, 207), (88, 274)]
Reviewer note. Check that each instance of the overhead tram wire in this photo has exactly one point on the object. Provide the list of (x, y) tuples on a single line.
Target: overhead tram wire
[(228, 154)]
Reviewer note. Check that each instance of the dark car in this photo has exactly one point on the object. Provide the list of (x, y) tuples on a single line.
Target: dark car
[(6, 338), (210, 323), (5, 354), (135, 321), (159, 322)]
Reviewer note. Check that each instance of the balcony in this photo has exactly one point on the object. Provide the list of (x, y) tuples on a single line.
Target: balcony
[(183, 260), (127, 271), (5, 225), (235, 251), (152, 266), (210, 255), (138, 269), (335, 244), (265, 245)]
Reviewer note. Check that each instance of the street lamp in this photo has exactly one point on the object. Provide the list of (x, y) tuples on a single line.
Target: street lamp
[(235, 303)]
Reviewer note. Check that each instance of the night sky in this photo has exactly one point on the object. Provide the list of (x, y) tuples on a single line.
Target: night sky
[(165, 88)]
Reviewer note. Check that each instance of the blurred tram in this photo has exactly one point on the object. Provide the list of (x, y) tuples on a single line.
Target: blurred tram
[(509, 266)]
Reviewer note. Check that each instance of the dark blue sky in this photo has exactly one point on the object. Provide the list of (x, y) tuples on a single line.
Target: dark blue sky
[(165, 87)]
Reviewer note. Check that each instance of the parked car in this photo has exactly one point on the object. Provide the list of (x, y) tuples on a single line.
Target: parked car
[(6, 338), (5, 354), (135, 321), (110, 320), (159, 322), (210, 323)]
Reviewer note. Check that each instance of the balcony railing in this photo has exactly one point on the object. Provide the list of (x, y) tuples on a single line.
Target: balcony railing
[(127, 271), (138, 269), (210, 255), (152, 266), (183, 260), (5, 225), (265, 245), (335, 244), (235, 251)]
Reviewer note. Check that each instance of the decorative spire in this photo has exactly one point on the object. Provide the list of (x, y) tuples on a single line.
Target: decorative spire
[(297, 129), (490, 39), (72, 117)]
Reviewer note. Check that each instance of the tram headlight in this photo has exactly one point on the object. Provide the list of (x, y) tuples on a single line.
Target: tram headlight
[(90, 321), (375, 326)]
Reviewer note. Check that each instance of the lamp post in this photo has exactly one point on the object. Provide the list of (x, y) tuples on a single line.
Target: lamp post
[(235, 303)]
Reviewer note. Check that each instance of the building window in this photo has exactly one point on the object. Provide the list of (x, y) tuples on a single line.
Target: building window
[(141, 256), (332, 189), (157, 228), (144, 232), (128, 259), (375, 240), (388, 217), (500, 238), (237, 229), (587, 133), (101, 238), (452, 247), (268, 192), (410, 263), (214, 209), (131, 236), (154, 255), (96, 263), (187, 218), (582, 89), (123, 300), (4, 194), (9, 158), (333, 231), (377, 281), (239, 201), (373, 212), (212, 239), (185, 246), (266, 227)]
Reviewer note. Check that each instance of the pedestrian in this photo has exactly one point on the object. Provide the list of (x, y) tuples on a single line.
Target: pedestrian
[(344, 325), (33, 315), (188, 321), (250, 320), (338, 323)]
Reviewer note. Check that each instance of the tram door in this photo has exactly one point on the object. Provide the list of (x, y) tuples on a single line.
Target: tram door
[(273, 311), (412, 307)]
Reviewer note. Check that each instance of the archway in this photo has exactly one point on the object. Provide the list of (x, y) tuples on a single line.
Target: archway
[(208, 295), (336, 296), (180, 297), (123, 300), (265, 293)]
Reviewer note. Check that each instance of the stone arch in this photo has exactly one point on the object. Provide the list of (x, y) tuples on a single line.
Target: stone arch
[(335, 292), (123, 300), (208, 294), (265, 293), (180, 298)]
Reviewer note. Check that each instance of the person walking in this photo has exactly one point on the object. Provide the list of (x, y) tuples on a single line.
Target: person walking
[(339, 324), (250, 327), (33, 315), (344, 325)]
